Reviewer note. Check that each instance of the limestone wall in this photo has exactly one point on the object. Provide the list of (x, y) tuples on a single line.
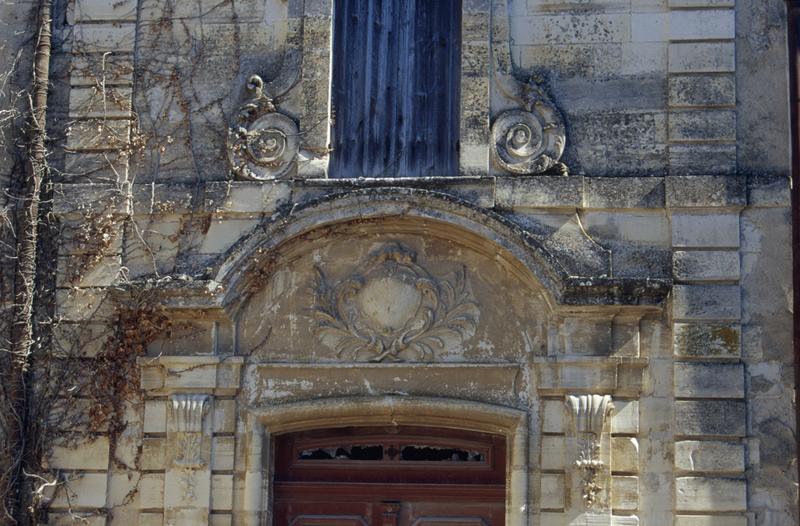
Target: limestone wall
[(657, 273)]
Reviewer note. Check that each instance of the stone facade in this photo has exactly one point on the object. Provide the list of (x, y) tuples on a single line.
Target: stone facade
[(638, 308)]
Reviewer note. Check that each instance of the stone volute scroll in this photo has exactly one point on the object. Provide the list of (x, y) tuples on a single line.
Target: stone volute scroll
[(530, 140), (392, 309), (589, 456), (263, 144)]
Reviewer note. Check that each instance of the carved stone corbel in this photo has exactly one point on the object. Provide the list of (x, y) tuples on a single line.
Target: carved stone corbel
[(530, 140), (264, 143), (589, 448), (188, 412), (187, 489)]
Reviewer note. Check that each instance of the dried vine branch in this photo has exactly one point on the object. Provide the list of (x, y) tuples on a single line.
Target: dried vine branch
[(20, 378)]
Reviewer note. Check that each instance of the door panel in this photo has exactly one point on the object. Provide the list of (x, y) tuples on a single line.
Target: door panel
[(398, 476), (323, 514)]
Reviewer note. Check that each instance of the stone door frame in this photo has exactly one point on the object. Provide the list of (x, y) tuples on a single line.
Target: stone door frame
[(336, 412)]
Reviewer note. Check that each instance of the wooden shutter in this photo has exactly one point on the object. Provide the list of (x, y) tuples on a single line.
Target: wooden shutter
[(395, 88)]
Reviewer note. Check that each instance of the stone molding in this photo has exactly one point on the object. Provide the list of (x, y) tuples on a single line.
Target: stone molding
[(616, 376), (558, 273), (385, 410), (502, 193), (168, 375)]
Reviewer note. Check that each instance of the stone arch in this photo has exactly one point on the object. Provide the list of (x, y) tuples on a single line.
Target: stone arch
[(386, 410), (514, 246)]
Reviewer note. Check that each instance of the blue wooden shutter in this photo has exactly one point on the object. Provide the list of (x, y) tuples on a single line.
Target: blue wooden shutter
[(395, 88)]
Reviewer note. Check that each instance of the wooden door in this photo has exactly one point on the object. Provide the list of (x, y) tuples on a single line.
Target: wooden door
[(389, 477)]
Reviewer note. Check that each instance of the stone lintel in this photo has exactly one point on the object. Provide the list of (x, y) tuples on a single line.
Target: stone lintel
[(165, 375), (616, 376)]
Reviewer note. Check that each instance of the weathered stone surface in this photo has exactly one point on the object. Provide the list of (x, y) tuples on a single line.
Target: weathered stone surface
[(707, 340), (702, 159), (706, 302), (98, 135), (515, 193), (98, 38), (624, 493), (221, 492), (695, 230), (702, 125), (85, 490), (625, 418), (624, 454), (768, 191), (623, 192), (709, 380), (706, 265), (709, 456), (155, 416), (710, 417), (552, 492), (702, 90), (705, 191), (553, 453), (93, 102), (710, 520), (701, 57), (86, 454), (710, 494), (707, 24)]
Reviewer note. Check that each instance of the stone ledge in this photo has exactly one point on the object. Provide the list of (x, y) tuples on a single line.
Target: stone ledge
[(699, 193), (174, 374), (617, 377)]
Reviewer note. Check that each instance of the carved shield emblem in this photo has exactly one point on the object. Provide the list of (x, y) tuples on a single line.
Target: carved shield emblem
[(393, 309)]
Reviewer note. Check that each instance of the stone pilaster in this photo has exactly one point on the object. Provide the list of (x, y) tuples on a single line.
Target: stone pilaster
[(708, 379), (189, 442)]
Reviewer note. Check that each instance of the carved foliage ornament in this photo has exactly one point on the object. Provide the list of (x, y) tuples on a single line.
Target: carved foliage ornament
[(264, 142), (393, 309), (530, 140), (589, 415), (188, 412)]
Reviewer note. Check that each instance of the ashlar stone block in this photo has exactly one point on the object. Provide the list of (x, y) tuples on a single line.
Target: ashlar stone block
[(706, 265), (86, 490), (710, 494), (709, 456), (624, 454), (552, 492), (155, 416), (553, 453), (707, 340), (625, 418), (221, 492), (706, 24), (706, 302), (624, 493), (87, 454), (710, 418), (695, 230), (701, 57), (702, 90), (709, 380), (710, 520)]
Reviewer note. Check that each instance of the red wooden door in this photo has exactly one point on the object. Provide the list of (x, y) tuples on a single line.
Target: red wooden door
[(389, 477)]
